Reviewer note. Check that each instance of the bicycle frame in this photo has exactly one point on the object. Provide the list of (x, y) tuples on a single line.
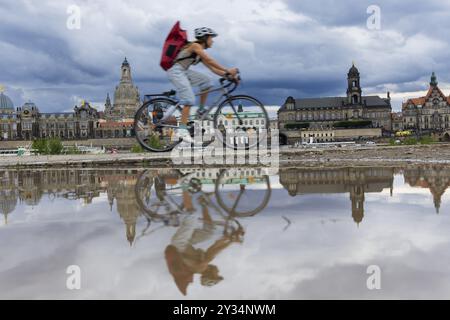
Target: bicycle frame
[(223, 97)]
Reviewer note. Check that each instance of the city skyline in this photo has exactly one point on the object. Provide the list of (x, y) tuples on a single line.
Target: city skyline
[(56, 67)]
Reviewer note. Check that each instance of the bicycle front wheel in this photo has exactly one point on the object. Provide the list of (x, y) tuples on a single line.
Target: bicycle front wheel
[(241, 122), (242, 192), (155, 123)]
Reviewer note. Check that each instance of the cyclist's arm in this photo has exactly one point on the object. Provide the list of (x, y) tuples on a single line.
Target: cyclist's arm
[(206, 59), (216, 71)]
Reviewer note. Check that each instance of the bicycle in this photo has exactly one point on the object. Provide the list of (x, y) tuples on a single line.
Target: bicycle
[(239, 121)]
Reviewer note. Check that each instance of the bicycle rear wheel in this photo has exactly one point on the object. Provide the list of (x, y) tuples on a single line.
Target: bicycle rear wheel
[(153, 131), (241, 122)]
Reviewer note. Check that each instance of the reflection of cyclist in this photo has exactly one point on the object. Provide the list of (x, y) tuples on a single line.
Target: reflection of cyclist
[(184, 260), (183, 79)]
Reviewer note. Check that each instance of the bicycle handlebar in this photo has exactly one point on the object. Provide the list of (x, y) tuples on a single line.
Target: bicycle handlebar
[(231, 81)]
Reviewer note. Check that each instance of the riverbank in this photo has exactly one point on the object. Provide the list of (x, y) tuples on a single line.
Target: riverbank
[(348, 156)]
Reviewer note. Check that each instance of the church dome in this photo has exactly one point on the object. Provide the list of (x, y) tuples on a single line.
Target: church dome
[(5, 102), (30, 107), (126, 92)]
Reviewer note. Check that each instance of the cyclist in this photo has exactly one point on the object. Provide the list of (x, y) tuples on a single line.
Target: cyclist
[(183, 78)]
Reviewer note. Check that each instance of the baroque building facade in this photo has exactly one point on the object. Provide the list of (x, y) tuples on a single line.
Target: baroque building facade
[(323, 113), (430, 113), (85, 122)]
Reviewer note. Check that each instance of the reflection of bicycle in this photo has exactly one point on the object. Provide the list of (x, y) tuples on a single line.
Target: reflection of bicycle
[(158, 194), (236, 194), (239, 121)]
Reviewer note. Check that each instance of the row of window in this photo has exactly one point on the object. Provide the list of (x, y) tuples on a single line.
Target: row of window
[(331, 116), (314, 135), (246, 122)]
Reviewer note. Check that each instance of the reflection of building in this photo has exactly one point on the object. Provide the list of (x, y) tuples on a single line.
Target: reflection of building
[(29, 186), (433, 177), (431, 112), (323, 113), (8, 195), (355, 181), (120, 186), (27, 122)]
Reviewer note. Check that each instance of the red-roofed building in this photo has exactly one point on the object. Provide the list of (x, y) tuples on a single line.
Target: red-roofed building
[(429, 113)]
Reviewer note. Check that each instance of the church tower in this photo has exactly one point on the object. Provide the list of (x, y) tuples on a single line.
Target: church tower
[(354, 91), (108, 107), (126, 72), (126, 95)]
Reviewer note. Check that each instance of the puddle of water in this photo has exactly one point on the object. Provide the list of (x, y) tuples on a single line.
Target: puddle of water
[(225, 234)]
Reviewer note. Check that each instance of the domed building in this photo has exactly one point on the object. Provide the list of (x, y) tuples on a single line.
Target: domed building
[(6, 104), (118, 118), (8, 125), (126, 96), (85, 122)]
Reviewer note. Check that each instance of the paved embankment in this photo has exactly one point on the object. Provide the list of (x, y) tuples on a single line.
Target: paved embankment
[(348, 156)]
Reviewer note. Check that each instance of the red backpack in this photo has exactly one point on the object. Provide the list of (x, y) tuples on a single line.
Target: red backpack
[(176, 39)]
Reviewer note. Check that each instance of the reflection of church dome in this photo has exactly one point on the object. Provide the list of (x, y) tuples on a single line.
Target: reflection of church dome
[(8, 201), (128, 209), (5, 102)]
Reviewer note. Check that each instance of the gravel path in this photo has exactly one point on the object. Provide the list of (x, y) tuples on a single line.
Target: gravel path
[(436, 153)]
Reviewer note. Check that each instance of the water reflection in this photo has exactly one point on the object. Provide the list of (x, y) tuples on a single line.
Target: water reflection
[(354, 181), (154, 193), (435, 178), (204, 208), (174, 196)]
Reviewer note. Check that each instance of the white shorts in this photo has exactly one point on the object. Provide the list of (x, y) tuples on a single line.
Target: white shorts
[(184, 80)]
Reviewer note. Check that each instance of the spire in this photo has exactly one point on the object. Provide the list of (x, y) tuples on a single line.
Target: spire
[(108, 100), (131, 233), (437, 202), (433, 81), (125, 62), (354, 91)]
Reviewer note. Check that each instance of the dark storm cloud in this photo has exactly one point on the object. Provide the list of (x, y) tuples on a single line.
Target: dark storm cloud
[(283, 48)]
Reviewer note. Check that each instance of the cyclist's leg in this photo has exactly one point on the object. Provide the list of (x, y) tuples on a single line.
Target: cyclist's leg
[(179, 78), (198, 79)]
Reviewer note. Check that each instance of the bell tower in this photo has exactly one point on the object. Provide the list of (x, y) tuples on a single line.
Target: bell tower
[(354, 91), (126, 72)]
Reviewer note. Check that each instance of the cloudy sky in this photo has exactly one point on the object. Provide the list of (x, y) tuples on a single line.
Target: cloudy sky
[(282, 47)]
